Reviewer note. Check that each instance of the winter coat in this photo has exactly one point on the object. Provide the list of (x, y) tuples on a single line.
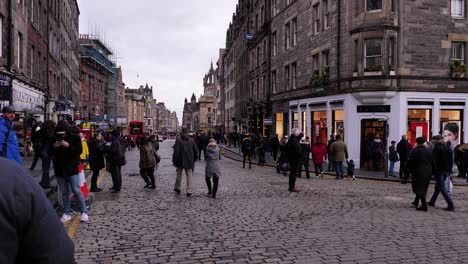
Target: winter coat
[(30, 230), (319, 153), (420, 165), (442, 155), (67, 160), (305, 149), (212, 157), (85, 150), (185, 153), (96, 154), (274, 143), (247, 145), (330, 142), (283, 147), (393, 156), (116, 152), (294, 149), (402, 149), (377, 147), (339, 151), (12, 147), (147, 158)]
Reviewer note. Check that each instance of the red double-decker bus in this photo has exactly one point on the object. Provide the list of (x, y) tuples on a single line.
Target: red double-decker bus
[(136, 129)]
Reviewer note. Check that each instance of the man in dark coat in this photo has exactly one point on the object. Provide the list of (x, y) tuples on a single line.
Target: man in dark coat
[(185, 154), (116, 157), (96, 159), (420, 165), (247, 149), (402, 150), (294, 158), (30, 230), (331, 161), (442, 155)]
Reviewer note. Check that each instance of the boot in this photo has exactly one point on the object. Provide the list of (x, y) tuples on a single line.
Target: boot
[(153, 184), (215, 186), (208, 184)]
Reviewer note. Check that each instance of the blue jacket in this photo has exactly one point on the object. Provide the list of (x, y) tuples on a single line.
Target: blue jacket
[(12, 148), (30, 231)]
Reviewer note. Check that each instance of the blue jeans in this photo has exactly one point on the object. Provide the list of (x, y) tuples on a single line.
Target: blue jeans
[(74, 182), (339, 169), (440, 188), (390, 170)]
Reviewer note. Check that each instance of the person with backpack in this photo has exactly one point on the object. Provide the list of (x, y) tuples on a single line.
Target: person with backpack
[(247, 147), (9, 147), (116, 158), (147, 162), (183, 158)]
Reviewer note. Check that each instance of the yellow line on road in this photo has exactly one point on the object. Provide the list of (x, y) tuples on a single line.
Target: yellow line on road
[(73, 226)]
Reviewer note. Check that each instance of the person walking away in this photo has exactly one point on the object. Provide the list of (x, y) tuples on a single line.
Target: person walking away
[(261, 151), (213, 167), (319, 154), (116, 158), (393, 157), (339, 151), (183, 158), (97, 151), (47, 139), (294, 158), (420, 166), (331, 162), (350, 170), (67, 150), (37, 144), (247, 148), (147, 162), (30, 229), (274, 143), (377, 150), (403, 151), (306, 150), (442, 155), (9, 147)]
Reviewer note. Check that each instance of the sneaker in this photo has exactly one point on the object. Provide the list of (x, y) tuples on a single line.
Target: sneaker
[(84, 217), (65, 218)]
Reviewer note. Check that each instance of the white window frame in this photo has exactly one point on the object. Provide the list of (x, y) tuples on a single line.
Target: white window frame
[(315, 63), (287, 77), (316, 10), (287, 31), (373, 56), (457, 8), (32, 11), (326, 14), (452, 52), (294, 75), (294, 31), (32, 62), (374, 10), (19, 53), (325, 59)]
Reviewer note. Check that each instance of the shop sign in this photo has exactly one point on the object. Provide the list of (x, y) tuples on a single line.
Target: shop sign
[(5, 87), (26, 99), (373, 108), (268, 121)]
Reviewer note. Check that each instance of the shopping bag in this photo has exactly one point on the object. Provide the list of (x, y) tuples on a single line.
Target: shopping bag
[(448, 185)]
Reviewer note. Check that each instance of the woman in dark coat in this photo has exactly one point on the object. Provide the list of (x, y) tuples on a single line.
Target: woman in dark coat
[(97, 151), (420, 165)]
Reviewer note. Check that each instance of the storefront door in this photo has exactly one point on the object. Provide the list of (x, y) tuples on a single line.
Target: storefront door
[(370, 128)]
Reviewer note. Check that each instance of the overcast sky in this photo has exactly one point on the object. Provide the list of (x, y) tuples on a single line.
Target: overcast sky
[(169, 44)]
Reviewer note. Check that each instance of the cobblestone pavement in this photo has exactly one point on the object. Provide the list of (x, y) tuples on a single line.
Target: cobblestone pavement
[(256, 220)]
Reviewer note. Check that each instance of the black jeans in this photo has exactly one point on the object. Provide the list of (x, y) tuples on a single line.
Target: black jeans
[(440, 178), (293, 174), (199, 153), (116, 173), (304, 164), (148, 175), (37, 155), (261, 157), (275, 153), (213, 190), (248, 155), (46, 159), (403, 174), (318, 169), (94, 179), (422, 199)]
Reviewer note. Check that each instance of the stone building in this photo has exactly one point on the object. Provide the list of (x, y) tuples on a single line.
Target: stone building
[(220, 94), (375, 67), (135, 105)]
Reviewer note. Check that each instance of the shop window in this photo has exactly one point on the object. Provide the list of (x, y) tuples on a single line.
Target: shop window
[(319, 126), (338, 122), (419, 123), (295, 120), (373, 54), (304, 123), (451, 125), (373, 5)]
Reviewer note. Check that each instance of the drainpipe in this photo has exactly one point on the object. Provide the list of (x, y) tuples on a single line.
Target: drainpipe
[(338, 45), (10, 48), (47, 91)]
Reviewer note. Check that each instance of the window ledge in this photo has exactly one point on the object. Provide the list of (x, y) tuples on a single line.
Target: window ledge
[(373, 73), (392, 73), (457, 17), (374, 11), (355, 74)]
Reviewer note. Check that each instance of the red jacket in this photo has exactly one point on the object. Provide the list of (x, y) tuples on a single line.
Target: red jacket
[(319, 152)]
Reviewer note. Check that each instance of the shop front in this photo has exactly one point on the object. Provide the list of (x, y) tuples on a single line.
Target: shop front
[(280, 119)]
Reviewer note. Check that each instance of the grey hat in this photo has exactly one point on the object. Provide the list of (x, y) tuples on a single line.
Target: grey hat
[(211, 140)]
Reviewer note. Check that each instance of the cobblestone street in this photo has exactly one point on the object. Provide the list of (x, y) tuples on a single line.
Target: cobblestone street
[(254, 219)]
